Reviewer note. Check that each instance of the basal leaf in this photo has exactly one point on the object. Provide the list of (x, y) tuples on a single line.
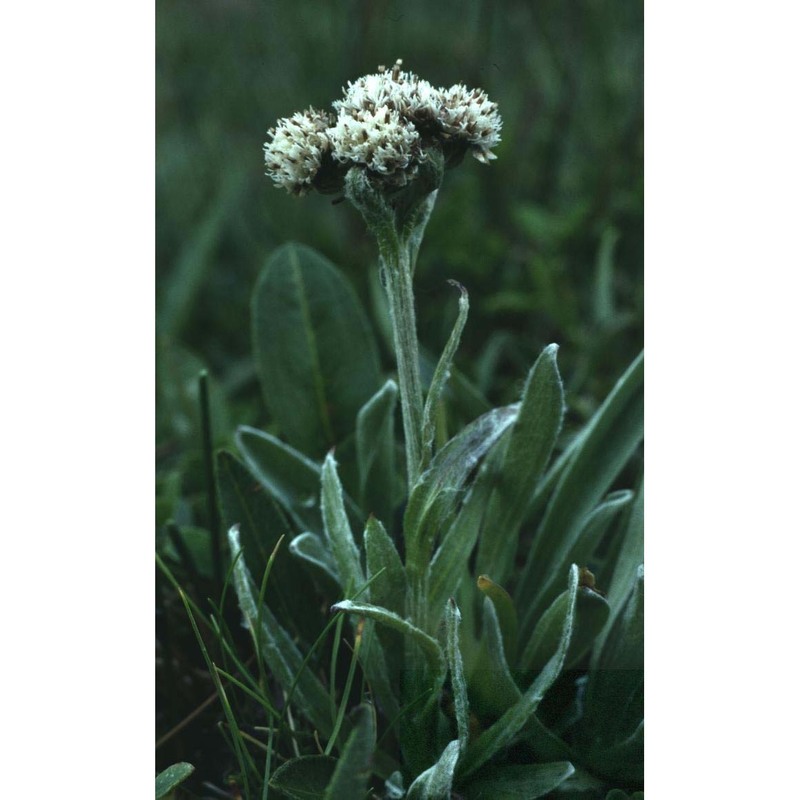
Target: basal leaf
[(171, 777), (612, 435), (304, 778), (262, 522), (452, 619), (586, 541), (337, 528), (517, 782), (506, 614), (279, 651), (436, 782), (529, 445), (315, 353), (503, 732), (375, 452), (350, 778), (311, 549), (388, 589)]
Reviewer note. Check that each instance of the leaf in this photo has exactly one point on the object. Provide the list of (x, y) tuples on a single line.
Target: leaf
[(529, 445), (591, 614), (506, 614), (304, 778), (279, 651), (290, 478), (389, 588), (315, 353), (171, 777), (492, 688), (337, 529), (441, 375), (353, 769), (503, 732), (630, 556), (375, 452), (261, 523), (518, 782), (612, 729), (610, 439), (427, 644), (586, 541), (436, 782), (432, 503), (452, 619), (451, 558), (311, 549)]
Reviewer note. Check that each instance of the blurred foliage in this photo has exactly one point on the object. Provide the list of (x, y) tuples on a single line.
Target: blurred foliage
[(548, 240)]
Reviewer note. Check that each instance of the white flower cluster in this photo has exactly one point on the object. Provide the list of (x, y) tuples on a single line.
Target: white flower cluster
[(384, 123), (294, 153)]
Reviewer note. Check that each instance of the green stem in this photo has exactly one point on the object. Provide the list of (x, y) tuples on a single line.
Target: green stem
[(398, 282)]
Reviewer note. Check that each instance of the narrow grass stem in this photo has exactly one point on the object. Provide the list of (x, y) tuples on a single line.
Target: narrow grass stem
[(211, 492)]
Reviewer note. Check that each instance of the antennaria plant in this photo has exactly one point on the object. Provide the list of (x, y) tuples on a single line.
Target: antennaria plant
[(485, 581)]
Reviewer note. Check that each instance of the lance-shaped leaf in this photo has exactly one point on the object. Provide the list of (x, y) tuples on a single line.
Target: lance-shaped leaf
[(353, 769), (452, 618), (506, 614), (171, 777), (279, 651), (614, 694), (375, 452), (440, 376), (586, 542), (291, 478), (613, 434), (303, 778), (310, 548), (437, 781), (448, 564), (388, 589), (262, 522), (427, 644), (315, 352), (492, 688), (530, 443), (434, 499), (629, 559), (503, 732), (337, 528), (518, 782)]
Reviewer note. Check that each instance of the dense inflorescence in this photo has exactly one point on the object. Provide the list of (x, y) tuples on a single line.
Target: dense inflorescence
[(385, 123)]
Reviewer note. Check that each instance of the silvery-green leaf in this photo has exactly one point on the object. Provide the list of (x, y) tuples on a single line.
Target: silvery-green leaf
[(452, 619), (311, 549), (315, 353), (303, 778), (527, 451), (518, 782), (351, 776), (611, 437), (337, 528), (503, 732), (278, 650), (434, 499), (437, 781), (375, 452), (389, 588), (171, 777)]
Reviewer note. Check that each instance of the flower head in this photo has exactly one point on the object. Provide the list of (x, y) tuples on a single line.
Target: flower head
[(378, 139), (387, 123), (468, 115), (294, 153)]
